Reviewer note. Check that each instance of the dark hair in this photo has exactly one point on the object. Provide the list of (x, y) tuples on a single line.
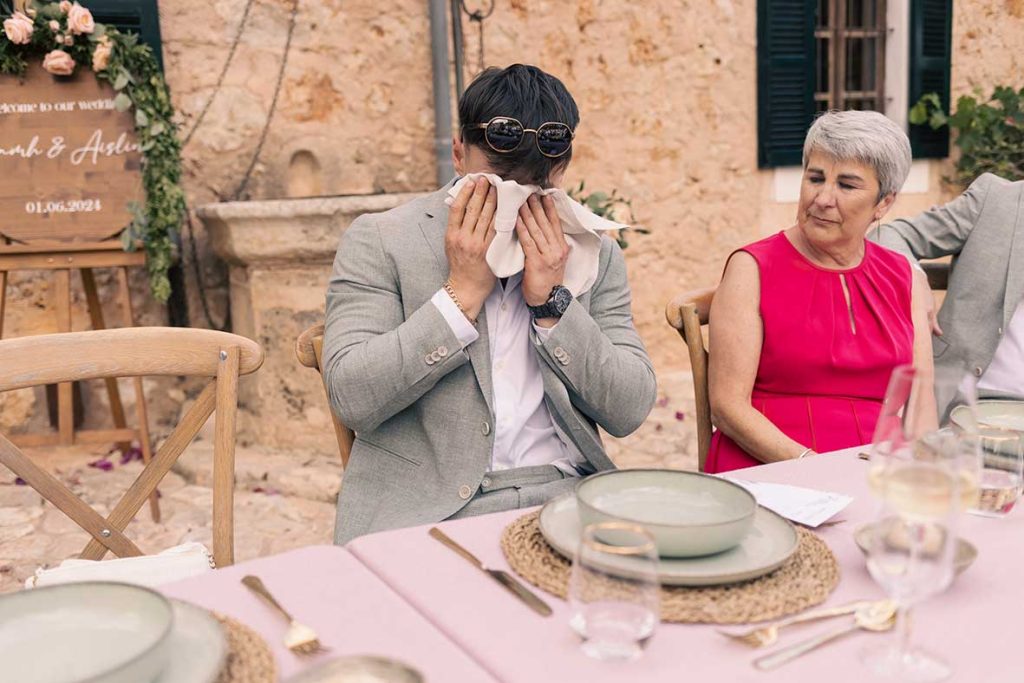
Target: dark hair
[(525, 93)]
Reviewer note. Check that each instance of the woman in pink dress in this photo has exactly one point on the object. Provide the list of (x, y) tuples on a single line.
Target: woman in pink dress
[(808, 324)]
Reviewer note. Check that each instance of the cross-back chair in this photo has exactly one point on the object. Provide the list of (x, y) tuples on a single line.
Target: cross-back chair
[(309, 348), (686, 313), (137, 352)]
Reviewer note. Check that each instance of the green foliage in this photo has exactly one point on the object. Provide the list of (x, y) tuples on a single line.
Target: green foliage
[(609, 206), (134, 74), (990, 134)]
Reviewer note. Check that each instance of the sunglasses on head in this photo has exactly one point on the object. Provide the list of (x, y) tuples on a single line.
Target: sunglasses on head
[(505, 134)]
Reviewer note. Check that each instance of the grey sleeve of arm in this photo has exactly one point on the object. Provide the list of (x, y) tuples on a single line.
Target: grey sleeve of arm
[(940, 231), (603, 361), (377, 362)]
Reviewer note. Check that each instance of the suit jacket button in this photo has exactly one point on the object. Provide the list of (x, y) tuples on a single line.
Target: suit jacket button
[(465, 492), (442, 351), (564, 360), (429, 359), (486, 429), (977, 372), (486, 482), (435, 357), (559, 352)]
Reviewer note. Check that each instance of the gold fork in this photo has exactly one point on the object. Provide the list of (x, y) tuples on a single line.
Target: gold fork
[(300, 639), (766, 635)]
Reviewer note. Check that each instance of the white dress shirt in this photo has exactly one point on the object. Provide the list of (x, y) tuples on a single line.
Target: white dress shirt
[(524, 433), (1005, 374)]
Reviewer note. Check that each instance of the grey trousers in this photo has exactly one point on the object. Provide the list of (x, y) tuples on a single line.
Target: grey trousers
[(521, 487)]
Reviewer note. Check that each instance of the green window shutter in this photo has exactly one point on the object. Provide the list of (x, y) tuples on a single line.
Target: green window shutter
[(931, 24), (785, 79), (131, 16)]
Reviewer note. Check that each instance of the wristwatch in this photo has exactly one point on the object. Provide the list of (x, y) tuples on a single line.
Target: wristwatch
[(558, 301)]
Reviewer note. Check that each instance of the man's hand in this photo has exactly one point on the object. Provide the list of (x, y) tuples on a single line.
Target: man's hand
[(469, 234), (540, 234), (929, 302)]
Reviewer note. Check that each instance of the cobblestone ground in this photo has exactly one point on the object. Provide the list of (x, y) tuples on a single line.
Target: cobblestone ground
[(283, 500)]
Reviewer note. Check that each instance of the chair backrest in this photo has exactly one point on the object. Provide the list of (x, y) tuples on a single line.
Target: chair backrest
[(686, 313), (938, 274), (136, 352), (309, 348)]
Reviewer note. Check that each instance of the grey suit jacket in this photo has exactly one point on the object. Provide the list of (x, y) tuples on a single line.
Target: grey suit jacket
[(422, 408), (983, 229)]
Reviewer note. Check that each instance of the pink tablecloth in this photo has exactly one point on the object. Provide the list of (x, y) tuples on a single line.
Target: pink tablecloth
[(977, 624), (328, 589)]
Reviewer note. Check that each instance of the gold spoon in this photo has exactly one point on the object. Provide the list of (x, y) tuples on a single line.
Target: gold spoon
[(875, 616)]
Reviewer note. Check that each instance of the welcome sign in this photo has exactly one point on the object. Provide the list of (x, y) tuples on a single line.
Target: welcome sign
[(69, 161)]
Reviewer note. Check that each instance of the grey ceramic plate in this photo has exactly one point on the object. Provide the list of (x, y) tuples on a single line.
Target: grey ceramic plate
[(770, 542), (359, 669), (965, 552), (197, 646), (93, 631)]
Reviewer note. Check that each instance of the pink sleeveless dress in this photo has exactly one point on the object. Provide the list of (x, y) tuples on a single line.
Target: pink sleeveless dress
[(824, 366)]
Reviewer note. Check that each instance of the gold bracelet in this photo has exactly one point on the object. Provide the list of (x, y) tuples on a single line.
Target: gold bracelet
[(455, 298)]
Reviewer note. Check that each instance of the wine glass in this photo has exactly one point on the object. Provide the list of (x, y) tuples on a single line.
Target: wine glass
[(614, 591), (910, 552), (910, 426), (1003, 472)]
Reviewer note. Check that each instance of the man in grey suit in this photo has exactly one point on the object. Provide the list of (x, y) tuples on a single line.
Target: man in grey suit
[(980, 325), (470, 394)]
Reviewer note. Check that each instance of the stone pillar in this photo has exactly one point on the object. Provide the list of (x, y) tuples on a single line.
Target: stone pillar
[(280, 254)]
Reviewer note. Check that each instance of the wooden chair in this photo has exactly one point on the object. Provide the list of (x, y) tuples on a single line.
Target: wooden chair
[(686, 313), (309, 348), (142, 351)]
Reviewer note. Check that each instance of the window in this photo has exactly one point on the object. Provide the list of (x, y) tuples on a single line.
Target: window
[(849, 65), (815, 55), (141, 17)]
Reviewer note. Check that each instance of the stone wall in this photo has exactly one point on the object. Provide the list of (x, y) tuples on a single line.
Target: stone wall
[(667, 92)]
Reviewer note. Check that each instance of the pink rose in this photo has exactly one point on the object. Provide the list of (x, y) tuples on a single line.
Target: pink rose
[(54, 26), (80, 20), (59, 63), (65, 6), (18, 28), (101, 55)]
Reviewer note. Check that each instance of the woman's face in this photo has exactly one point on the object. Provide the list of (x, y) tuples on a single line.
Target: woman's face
[(838, 200)]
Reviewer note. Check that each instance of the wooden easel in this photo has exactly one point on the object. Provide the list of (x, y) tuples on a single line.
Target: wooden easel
[(61, 258)]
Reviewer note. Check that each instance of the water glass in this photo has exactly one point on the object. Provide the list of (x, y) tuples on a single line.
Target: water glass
[(614, 590), (1003, 471)]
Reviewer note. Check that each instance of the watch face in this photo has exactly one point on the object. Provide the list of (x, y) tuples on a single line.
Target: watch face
[(561, 298)]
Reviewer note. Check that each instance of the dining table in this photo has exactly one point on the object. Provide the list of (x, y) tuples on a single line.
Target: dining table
[(401, 593)]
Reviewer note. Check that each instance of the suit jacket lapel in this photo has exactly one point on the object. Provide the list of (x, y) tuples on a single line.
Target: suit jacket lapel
[(433, 227), (1015, 272)]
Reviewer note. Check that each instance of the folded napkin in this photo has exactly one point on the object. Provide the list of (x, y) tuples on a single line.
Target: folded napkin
[(581, 227), (174, 564), (809, 507)]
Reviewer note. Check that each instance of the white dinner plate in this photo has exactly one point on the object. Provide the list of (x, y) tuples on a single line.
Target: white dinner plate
[(92, 631), (770, 542), (197, 647)]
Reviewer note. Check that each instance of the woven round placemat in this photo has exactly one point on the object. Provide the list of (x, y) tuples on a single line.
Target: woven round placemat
[(249, 657), (806, 579)]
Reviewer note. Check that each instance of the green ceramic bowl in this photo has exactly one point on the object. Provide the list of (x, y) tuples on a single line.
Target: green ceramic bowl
[(688, 514)]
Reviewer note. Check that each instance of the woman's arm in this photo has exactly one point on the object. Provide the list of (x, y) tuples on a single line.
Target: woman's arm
[(920, 296), (734, 351)]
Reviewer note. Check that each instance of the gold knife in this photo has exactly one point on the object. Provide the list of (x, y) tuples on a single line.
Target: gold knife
[(502, 577)]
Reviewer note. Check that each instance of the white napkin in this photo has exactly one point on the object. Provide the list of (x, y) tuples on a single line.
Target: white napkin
[(580, 225), (174, 564)]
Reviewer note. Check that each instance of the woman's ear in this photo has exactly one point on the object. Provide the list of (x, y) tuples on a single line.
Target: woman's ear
[(884, 205)]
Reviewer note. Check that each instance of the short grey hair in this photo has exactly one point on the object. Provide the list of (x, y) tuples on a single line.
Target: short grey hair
[(869, 137)]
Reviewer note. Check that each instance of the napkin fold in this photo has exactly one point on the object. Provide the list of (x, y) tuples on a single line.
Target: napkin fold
[(582, 228)]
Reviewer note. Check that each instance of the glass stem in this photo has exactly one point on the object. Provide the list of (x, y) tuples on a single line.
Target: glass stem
[(904, 617)]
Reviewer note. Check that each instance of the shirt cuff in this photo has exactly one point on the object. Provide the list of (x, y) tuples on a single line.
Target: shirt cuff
[(456, 319), (543, 332)]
